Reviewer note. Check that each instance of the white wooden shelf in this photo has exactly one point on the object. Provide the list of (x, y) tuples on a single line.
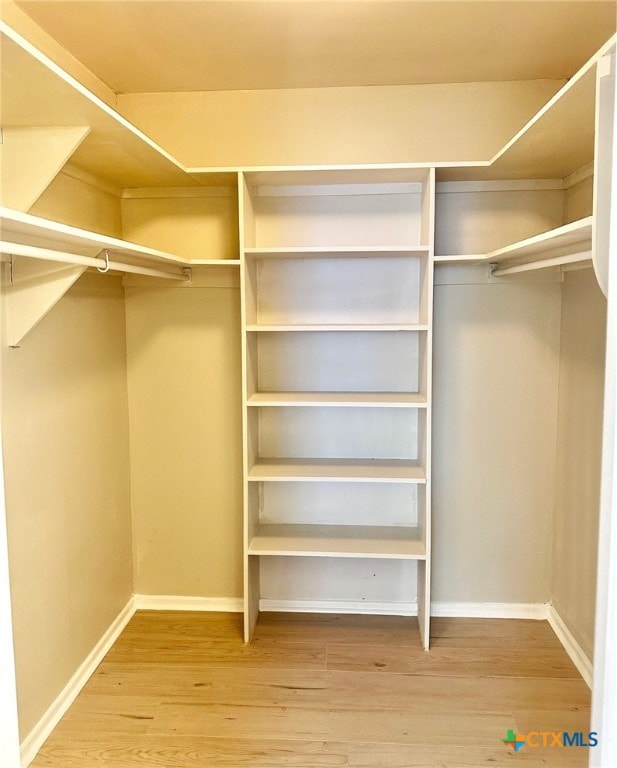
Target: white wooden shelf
[(339, 399), (214, 262), (562, 241), (37, 92), (337, 252), (337, 327), (338, 541), (340, 470), (463, 258), (555, 142), (24, 228)]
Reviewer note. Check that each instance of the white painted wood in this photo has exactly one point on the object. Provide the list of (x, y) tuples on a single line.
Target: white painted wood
[(337, 309), (30, 158), (345, 327), (580, 659), (469, 258), (104, 265), (31, 289), (215, 262), (537, 611), (360, 607), (9, 730), (187, 603), (557, 141), (603, 164), (35, 739), (574, 259), (317, 252), (338, 541), (338, 399), (39, 92), (251, 571), (338, 470), (604, 688), (562, 241), (24, 228)]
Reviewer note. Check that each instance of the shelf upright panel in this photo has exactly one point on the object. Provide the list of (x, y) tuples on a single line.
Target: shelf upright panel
[(424, 566), (246, 228)]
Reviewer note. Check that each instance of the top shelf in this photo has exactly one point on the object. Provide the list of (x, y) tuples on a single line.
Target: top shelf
[(555, 142), (37, 92)]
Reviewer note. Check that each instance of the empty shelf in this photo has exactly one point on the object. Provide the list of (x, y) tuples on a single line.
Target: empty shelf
[(338, 470), (339, 399), (562, 241), (338, 541), (320, 252), (337, 327)]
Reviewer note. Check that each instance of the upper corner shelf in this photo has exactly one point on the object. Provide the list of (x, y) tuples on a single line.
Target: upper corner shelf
[(557, 141), (36, 92)]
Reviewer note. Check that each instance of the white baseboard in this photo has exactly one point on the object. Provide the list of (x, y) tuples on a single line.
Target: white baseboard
[(580, 659), (339, 606), (538, 611), (469, 610), (37, 736), (188, 603)]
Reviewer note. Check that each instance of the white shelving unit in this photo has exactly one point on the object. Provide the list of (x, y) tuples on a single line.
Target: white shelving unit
[(336, 277)]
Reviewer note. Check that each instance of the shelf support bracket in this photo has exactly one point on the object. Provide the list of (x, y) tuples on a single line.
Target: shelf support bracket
[(30, 159), (31, 288)]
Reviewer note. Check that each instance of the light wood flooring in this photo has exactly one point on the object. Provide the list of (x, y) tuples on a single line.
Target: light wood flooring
[(181, 690)]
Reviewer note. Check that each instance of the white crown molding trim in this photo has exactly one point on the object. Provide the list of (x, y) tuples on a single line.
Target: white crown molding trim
[(188, 603), (580, 659), (37, 736)]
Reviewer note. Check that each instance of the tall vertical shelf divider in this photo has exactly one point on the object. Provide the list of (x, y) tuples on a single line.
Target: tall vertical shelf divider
[(337, 296)]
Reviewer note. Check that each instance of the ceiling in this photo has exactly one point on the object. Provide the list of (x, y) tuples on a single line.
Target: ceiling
[(138, 46)]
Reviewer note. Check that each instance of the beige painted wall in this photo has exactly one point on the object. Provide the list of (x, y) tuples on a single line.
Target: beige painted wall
[(73, 201), (496, 365), (380, 124), (65, 432), (581, 385), (184, 381)]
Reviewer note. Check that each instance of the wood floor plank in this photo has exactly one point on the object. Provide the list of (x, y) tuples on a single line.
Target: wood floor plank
[(319, 723), (361, 690), (193, 752), (338, 628), (182, 690), (512, 633), (145, 648), (363, 755), (452, 661)]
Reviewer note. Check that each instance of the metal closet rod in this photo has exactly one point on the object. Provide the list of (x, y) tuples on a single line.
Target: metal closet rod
[(34, 252)]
